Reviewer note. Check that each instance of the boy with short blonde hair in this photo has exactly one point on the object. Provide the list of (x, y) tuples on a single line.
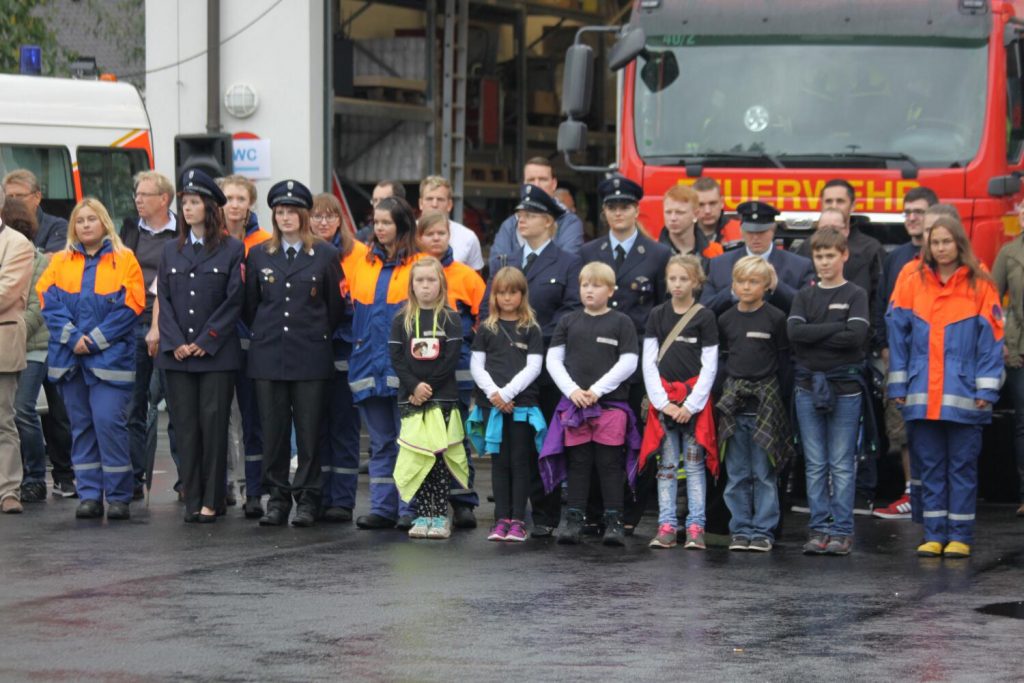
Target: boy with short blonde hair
[(593, 353), (753, 425)]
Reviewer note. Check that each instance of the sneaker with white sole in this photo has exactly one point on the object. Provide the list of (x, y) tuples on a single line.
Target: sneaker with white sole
[(739, 543), (695, 538), (761, 544), (516, 531), (898, 509), (420, 527), (440, 527), (499, 532), (666, 537)]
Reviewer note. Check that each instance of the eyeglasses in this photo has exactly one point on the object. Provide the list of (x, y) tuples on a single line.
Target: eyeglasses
[(323, 217), (914, 212), (146, 195)]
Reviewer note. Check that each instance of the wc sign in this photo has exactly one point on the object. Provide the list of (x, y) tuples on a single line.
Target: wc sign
[(251, 156)]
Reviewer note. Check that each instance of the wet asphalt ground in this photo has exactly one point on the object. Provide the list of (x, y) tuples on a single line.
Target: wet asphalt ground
[(154, 599)]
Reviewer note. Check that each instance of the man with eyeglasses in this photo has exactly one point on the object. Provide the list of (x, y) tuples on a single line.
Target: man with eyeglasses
[(916, 204), (52, 233), (51, 236), (146, 236)]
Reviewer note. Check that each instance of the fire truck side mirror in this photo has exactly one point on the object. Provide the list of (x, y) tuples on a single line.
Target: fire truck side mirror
[(577, 81), (998, 186), (572, 136), (629, 46)]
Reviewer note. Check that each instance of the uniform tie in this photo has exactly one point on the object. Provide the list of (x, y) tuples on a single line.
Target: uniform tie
[(620, 256), (197, 246), (290, 253), (530, 258)]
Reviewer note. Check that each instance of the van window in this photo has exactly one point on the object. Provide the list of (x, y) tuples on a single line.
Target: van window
[(106, 173), (52, 166)]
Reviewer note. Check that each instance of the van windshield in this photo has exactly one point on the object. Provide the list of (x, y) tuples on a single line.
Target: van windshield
[(790, 102)]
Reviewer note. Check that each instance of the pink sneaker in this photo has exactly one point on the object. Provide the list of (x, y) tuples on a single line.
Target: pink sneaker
[(666, 537), (499, 532), (516, 532), (898, 509), (695, 537)]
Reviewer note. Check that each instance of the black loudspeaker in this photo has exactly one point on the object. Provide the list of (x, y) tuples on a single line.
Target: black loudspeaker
[(208, 152)]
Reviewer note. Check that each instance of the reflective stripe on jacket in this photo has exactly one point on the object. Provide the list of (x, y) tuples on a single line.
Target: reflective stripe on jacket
[(378, 291), (945, 345), (99, 296)]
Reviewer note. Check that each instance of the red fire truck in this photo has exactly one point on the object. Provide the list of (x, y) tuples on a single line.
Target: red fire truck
[(774, 97)]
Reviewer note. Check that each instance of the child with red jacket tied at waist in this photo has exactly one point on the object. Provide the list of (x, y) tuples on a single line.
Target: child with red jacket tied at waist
[(593, 354), (945, 368), (679, 365)]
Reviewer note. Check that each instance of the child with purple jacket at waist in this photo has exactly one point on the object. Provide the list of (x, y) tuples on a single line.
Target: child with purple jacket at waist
[(593, 354)]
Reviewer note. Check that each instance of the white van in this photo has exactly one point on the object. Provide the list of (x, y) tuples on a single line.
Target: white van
[(80, 138)]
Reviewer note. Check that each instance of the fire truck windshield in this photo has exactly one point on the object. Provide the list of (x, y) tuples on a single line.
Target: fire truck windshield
[(805, 104)]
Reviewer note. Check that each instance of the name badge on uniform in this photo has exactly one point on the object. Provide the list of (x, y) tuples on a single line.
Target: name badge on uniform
[(425, 348), (686, 340), (839, 307), (759, 335), (608, 340), (521, 345)]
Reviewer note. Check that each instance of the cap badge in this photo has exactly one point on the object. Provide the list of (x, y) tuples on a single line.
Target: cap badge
[(290, 184), (191, 174), (615, 183)]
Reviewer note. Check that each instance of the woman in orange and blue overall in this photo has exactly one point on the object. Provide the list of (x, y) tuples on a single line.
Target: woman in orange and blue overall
[(92, 294), (945, 368)]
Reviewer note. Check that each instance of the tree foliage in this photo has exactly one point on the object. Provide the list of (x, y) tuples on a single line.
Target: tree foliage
[(22, 22)]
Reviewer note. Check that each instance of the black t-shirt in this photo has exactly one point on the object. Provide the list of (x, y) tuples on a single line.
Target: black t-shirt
[(682, 360), (410, 360), (829, 327), (593, 344), (507, 349), (752, 341)]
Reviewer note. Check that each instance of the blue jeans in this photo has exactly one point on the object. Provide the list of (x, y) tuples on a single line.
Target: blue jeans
[(830, 455), (679, 439), (751, 492), (30, 428)]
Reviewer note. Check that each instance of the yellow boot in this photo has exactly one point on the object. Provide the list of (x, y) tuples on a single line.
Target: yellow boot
[(957, 550), (929, 549)]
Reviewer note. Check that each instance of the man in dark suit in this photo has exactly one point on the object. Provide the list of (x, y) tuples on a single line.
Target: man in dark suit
[(757, 221), (639, 264)]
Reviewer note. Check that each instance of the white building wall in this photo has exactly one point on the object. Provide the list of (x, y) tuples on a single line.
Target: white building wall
[(275, 46)]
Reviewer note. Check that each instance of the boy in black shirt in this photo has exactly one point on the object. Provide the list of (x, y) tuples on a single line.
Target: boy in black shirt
[(828, 326), (753, 427), (593, 354)]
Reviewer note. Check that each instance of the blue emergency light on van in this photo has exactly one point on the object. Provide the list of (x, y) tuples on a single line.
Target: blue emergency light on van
[(31, 60)]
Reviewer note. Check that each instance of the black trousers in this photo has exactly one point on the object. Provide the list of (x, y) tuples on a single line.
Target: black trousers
[(282, 404), (546, 507), (57, 433), (200, 405), (510, 469), (606, 463), (635, 502)]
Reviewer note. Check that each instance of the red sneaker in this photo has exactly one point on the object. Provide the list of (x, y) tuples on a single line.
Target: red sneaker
[(898, 509)]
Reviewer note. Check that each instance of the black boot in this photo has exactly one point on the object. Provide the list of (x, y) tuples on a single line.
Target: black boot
[(569, 533), (614, 533)]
